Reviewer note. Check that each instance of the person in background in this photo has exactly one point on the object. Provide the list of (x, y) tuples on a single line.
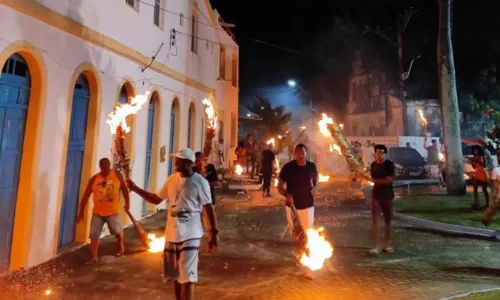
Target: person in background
[(220, 157), (358, 153), (408, 145), (106, 187), (432, 158), (188, 194), (297, 180), (495, 182), (251, 155), (267, 166), (210, 173), (368, 154), (241, 153), (480, 176), (382, 173), (442, 147)]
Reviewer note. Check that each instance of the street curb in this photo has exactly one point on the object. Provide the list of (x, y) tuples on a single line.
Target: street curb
[(438, 226), (448, 228), (471, 293)]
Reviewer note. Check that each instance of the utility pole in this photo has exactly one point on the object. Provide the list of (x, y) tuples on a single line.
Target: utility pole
[(402, 23)]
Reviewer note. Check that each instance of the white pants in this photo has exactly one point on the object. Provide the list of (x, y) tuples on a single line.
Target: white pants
[(306, 217)]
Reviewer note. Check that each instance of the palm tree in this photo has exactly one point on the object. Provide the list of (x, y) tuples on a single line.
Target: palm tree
[(274, 119), (449, 101)]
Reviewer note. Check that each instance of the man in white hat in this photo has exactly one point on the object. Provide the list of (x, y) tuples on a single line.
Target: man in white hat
[(187, 193)]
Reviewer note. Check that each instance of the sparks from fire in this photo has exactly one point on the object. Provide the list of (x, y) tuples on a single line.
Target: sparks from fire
[(335, 147), (271, 141), (156, 244), (319, 249), (210, 111), (48, 292), (118, 117)]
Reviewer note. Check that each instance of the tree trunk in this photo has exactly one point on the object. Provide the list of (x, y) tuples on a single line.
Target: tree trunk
[(449, 102)]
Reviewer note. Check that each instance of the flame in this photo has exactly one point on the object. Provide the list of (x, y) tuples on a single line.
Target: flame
[(441, 157), (421, 117), (303, 127), (271, 141), (156, 244), (335, 147), (238, 169), (276, 182), (371, 183), (118, 117), (319, 249), (341, 125), (48, 292), (210, 111), (323, 178), (323, 125), (466, 177), (277, 164), (280, 137)]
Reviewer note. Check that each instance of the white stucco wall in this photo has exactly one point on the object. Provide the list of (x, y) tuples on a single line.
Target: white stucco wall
[(62, 53)]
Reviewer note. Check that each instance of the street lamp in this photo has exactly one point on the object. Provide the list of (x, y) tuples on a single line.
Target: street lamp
[(292, 83)]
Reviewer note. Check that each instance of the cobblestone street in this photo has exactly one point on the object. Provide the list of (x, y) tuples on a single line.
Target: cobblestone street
[(252, 261)]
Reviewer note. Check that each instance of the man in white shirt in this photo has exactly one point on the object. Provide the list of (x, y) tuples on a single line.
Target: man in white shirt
[(495, 182), (187, 193)]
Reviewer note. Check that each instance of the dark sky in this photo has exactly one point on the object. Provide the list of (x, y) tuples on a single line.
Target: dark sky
[(303, 26)]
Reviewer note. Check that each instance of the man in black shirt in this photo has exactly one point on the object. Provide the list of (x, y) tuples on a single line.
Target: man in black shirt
[(382, 173), (210, 173), (296, 182), (266, 167)]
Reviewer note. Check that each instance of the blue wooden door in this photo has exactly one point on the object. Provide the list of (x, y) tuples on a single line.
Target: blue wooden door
[(14, 96), (190, 117), (172, 134), (149, 148), (74, 161)]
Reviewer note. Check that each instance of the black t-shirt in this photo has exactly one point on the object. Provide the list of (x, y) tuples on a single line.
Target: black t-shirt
[(300, 181), (380, 171), (211, 173), (267, 161)]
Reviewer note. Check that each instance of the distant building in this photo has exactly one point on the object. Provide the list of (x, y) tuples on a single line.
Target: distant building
[(65, 65)]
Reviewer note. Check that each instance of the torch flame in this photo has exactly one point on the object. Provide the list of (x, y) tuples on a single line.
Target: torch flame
[(319, 249), (280, 137), (422, 119), (276, 182), (118, 117), (335, 147), (48, 292), (271, 141), (303, 127), (238, 169), (210, 111), (323, 178), (156, 244), (441, 156), (323, 124)]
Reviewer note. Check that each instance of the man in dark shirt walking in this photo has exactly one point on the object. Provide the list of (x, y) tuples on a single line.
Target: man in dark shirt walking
[(382, 173), (297, 180), (210, 173), (266, 167)]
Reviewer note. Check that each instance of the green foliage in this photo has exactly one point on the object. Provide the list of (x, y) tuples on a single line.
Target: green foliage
[(274, 119), (484, 98)]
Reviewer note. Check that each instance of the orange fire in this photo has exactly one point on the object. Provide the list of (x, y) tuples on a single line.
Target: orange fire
[(276, 181), (319, 249), (323, 125), (156, 244), (422, 119), (48, 292), (335, 147), (323, 178), (271, 141), (303, 127), (238, 170), (441, 157), (118, 117), (210, 112)]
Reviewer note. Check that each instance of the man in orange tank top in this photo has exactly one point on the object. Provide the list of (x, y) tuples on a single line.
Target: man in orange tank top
[(105, 187)]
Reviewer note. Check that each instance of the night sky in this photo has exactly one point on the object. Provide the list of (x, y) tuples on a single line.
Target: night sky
[(323, 62)]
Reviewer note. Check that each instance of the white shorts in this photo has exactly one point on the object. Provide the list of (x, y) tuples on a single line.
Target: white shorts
[(180, 261), (306, 217)]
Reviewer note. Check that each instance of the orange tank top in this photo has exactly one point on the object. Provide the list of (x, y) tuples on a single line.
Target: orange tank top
[(106, 192)]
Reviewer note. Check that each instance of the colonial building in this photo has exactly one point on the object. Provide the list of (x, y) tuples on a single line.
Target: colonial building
[(373, 108), (65, 65)]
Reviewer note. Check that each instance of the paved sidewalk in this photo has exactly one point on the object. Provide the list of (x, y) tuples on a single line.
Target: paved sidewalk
[(253, 263)]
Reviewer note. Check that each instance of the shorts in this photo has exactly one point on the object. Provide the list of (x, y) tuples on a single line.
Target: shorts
[(385, 206), (434, 171), (180, 261), (97, 224)]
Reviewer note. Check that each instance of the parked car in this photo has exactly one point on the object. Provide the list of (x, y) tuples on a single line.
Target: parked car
[(408, 162)]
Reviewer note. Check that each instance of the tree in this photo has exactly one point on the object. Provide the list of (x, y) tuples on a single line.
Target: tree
[(449, 102), (274, 119)]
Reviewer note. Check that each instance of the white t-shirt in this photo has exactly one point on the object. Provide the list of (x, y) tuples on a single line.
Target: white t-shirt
[(185, 195), (495, 176)]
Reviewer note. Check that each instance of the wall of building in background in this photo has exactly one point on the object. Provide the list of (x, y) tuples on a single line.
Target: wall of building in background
[(65, 65)]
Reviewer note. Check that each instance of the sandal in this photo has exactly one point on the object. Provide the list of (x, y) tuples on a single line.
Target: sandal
[(388, 250)]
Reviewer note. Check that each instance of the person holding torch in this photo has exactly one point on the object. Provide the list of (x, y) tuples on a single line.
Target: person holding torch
[(188, 193)]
